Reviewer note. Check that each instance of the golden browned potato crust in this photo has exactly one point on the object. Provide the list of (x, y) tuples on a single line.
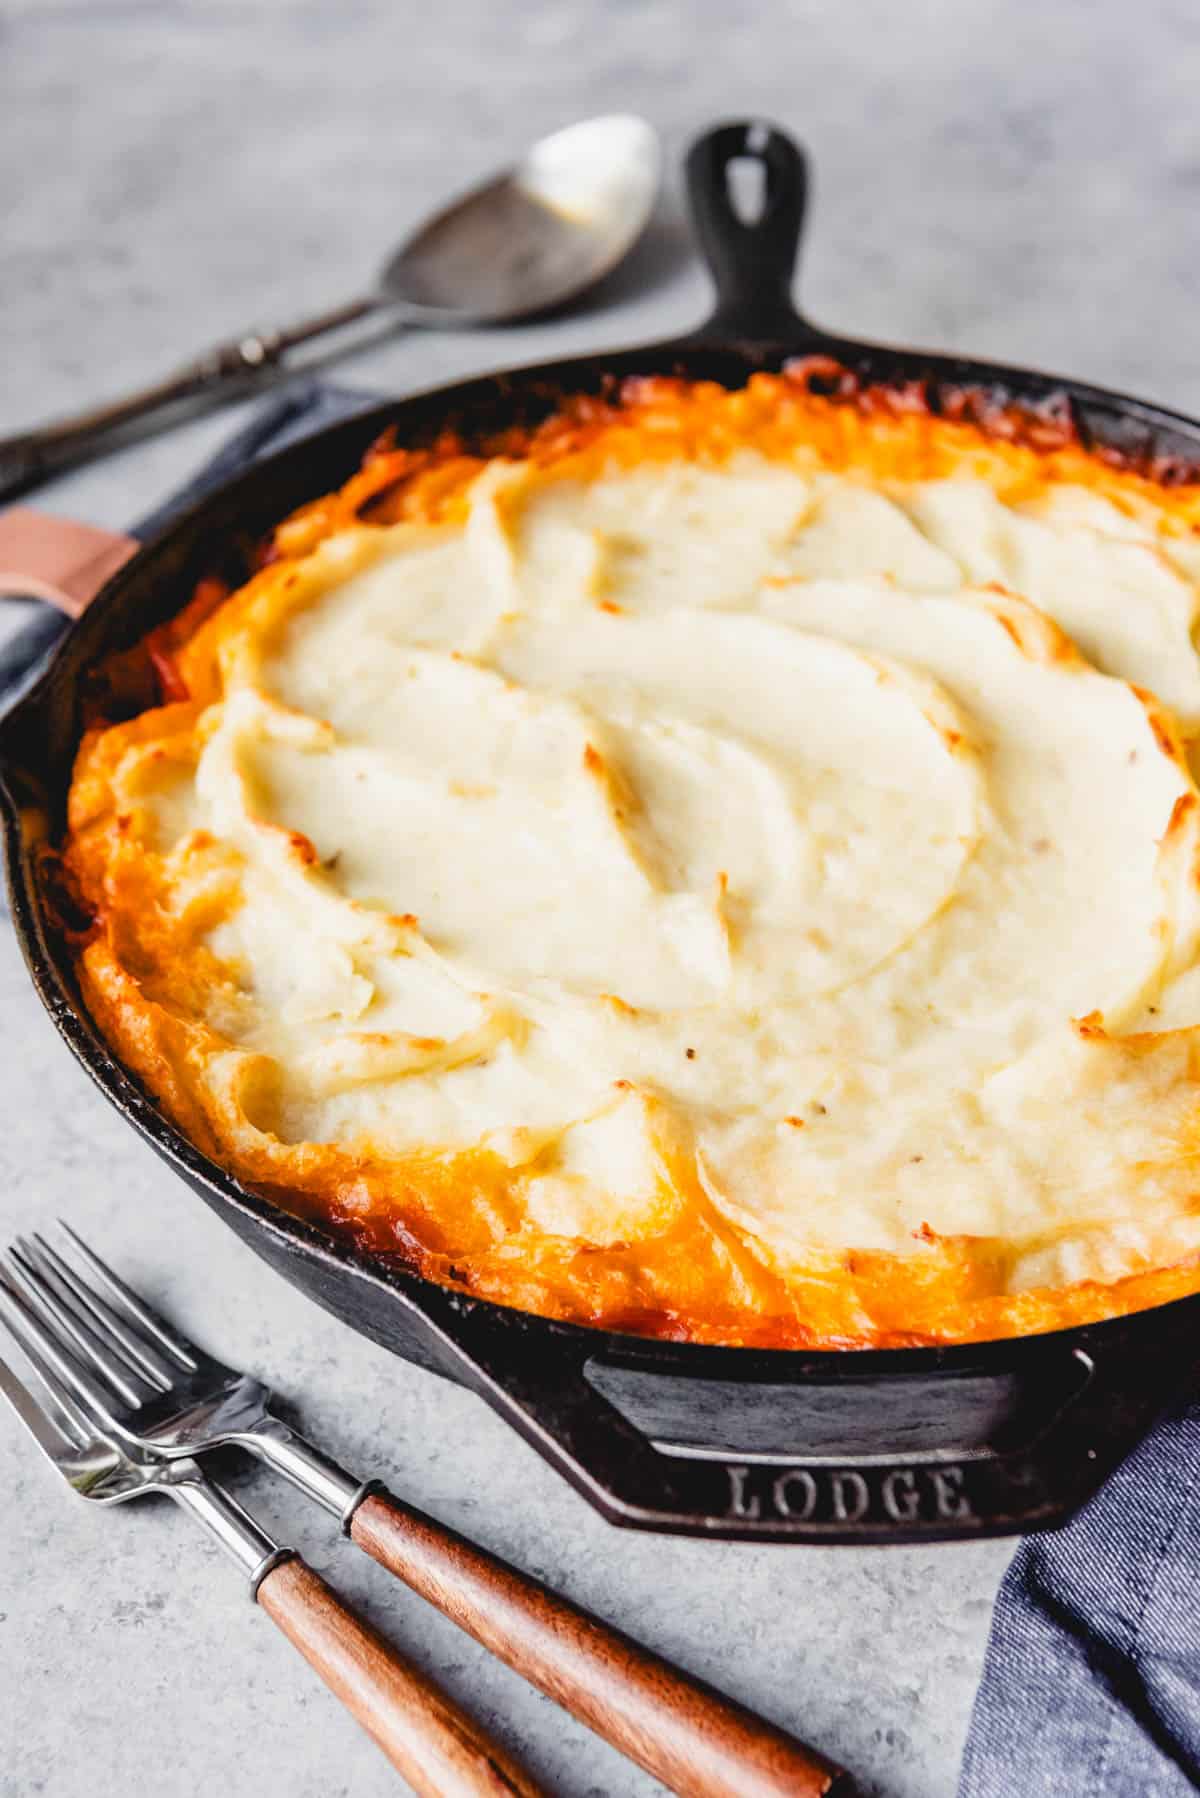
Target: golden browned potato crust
[(178, 1005)]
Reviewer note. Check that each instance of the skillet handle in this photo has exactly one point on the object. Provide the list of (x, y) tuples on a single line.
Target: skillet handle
[(751, 260), (1061, 1413)]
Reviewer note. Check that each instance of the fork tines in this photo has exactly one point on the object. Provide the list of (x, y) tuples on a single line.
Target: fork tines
[(82, 1329)]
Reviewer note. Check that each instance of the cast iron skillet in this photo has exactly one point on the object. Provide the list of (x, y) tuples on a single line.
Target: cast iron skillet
[(864, 1446)]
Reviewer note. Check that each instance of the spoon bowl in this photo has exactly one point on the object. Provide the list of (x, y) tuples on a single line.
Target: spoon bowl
[(537, 235)]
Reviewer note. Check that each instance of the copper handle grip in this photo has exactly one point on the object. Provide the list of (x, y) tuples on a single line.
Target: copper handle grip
[(59, 560)]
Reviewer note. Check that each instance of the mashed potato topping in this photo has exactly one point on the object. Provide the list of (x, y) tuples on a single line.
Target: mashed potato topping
[(726, 867)]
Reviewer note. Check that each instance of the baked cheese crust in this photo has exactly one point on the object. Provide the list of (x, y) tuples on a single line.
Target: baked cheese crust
[(724, 865)]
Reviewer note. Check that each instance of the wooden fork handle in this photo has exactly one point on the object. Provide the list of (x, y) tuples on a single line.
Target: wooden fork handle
[(439, 1749), (699, 1743)]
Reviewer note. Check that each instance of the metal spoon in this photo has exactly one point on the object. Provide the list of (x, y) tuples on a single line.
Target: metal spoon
[(528, 240)]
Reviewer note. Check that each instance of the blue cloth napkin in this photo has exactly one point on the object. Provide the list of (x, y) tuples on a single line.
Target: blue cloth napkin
[(1091, 1685), (299, 410)]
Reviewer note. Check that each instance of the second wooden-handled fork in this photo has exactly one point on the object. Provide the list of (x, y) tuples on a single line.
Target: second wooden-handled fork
[(158, 1395), (437, 1747)]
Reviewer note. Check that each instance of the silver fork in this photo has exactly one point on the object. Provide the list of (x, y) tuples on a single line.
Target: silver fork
[(156, 1390), (438, 1748), (159, 1395)]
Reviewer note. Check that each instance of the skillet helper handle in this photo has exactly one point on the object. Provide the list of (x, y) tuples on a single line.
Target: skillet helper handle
[(682, 1731), (1060, 1412), (751, 260), (439, 1749), (32, 456)]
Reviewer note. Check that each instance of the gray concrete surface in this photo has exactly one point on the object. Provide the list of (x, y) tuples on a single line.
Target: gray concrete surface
[(1015, 178)]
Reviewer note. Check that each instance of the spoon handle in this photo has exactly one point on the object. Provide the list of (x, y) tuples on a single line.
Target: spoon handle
[(30, 456)]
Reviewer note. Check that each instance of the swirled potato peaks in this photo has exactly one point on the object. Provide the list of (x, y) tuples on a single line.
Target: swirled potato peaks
[(723, 865)]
